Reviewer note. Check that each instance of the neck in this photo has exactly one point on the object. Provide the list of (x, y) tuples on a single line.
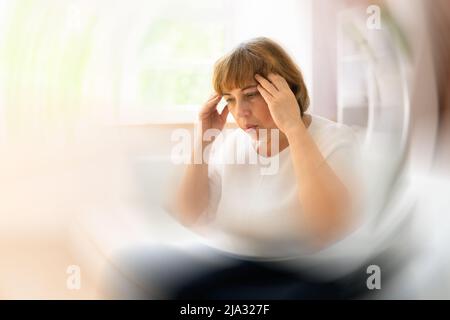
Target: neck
[(283, 143)]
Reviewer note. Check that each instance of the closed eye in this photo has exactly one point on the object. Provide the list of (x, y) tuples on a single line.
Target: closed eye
[(252, 94)]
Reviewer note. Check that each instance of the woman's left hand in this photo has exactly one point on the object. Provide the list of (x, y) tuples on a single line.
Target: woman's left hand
[(281, 101)]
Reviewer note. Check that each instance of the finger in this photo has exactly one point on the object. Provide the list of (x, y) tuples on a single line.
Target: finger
[(224, 113), (266, 84), (213, 102), (284, 82), (210, 106), (278, 81), (265, 94), (213, 97)]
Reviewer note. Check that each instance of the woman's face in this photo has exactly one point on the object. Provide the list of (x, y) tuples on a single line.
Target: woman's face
[(249, 109)]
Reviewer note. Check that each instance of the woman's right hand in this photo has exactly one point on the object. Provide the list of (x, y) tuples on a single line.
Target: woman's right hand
[(209, 117)]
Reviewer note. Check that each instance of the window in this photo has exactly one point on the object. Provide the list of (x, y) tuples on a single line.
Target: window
[(134, 61), (167, 72), (167, 67)]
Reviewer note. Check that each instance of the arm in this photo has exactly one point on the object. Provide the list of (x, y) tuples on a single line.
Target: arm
[(325, 200), (192, 196), (193, 192)]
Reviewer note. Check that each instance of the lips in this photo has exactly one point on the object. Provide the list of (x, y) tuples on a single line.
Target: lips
[(250, 127)]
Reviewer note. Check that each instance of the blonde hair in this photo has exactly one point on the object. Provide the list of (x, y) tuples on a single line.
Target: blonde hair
[(263, 56)]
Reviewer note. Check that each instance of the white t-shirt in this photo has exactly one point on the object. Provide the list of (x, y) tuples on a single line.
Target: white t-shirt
[(254, 207)]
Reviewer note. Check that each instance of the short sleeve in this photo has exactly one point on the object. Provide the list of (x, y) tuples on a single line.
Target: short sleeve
[(345, 160)]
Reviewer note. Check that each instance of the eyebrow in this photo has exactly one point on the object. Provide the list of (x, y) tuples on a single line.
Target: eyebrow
[(248, 87)]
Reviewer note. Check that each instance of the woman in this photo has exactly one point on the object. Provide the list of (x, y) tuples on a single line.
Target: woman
[(308, 202), (253, 216)]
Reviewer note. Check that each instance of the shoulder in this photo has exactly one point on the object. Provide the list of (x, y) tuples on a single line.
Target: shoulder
[(322, 126), (330, 135)]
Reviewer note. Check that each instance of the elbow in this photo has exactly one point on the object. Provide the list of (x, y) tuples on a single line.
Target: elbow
[(187, 212), (331, 224), (188, 217)]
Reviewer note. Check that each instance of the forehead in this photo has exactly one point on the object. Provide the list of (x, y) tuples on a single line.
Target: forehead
[(237, 90)]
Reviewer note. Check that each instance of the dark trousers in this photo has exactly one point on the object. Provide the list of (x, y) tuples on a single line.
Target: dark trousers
[(168, 273)]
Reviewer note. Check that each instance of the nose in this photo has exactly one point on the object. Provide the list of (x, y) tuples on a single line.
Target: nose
[(243, 109)]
